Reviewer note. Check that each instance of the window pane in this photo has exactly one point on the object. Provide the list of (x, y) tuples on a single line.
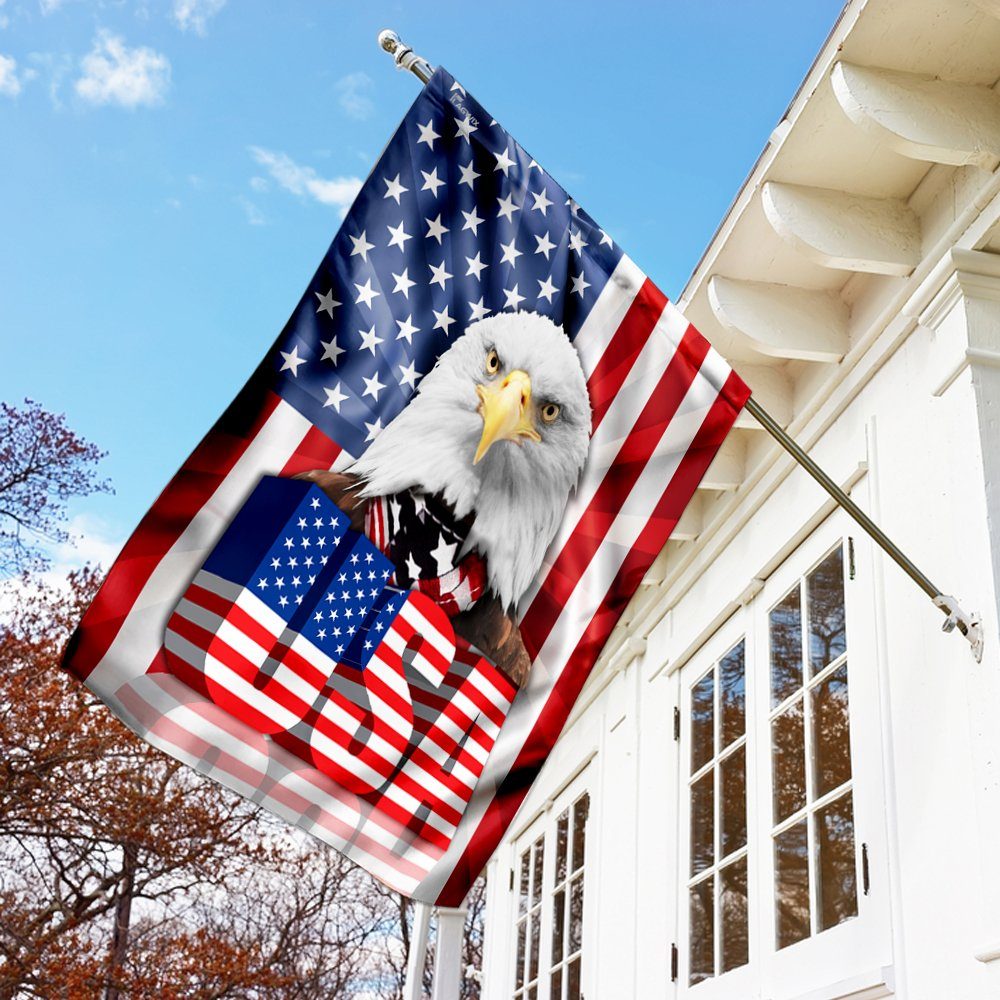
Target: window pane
[(733, 908), (702, 722), (733, 694), (555, 990), (702, 823), (835, 869), (535, 921), (558, 922), (533, 993), (733, 775), (536, 874), (576, 915), (791, 872), (825, 587), (520, 953), (581, 809), (562, 833), (573, 981), (786, 648), (702, 947), (522, 903), (789, 756), (831, 733)]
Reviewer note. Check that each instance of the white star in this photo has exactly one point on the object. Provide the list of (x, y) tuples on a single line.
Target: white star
[(457, 86), (408, 375), (399, 236), (541, 201), (545, 245), (464, 128), (327, 303), (476, 266), (507, 207), (403, 283), (546, 288), (468, 174), (472, 221), (439, 275), (406, 329), (292, 361), (504, 162), (606, 239), (361, 246), (373, 429), (444, 555), (442, 320), (366, 293), (412, 569), (372, 386), (534, 163), (283, 601), (332, 350), (576, 242), (435, 229), (510, 253), (427, 133), (369, 339), (431, 181), (513, 298), (393, 189), (262, 583), (275, 563), (580, 284), (573, 206), (479, 311)]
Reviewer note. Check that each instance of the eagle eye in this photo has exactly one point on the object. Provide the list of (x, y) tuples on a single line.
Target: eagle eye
[(549, 412), (492, 362)]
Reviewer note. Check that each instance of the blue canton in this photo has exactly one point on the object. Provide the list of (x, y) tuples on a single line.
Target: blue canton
[(455, 222)]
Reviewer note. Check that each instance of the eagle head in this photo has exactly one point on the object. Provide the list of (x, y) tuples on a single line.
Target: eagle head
[(500, 429)]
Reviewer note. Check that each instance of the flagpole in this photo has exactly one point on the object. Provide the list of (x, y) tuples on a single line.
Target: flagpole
[(968, 624)]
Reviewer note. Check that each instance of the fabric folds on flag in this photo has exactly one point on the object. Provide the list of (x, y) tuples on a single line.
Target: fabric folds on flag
[(415, 772)]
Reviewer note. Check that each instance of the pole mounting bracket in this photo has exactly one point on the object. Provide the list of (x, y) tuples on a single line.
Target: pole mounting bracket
[(968, 623), (404, 56)]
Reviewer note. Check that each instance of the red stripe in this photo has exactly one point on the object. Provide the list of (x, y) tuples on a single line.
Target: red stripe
[(637, 449), (629, 339), (501, 810), (316, 451), (175, 508)]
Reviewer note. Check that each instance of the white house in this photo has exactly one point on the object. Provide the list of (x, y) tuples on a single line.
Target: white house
[(783, 780)]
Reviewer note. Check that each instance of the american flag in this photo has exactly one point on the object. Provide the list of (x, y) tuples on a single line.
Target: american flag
[(455, 222)]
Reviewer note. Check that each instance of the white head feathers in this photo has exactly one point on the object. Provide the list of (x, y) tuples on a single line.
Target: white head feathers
[(518, 491)]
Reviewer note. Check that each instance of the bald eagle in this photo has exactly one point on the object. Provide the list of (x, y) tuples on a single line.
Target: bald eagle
[(492, 445)]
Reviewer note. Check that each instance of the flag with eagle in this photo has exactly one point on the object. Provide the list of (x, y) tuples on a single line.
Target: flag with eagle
[(372, 594)]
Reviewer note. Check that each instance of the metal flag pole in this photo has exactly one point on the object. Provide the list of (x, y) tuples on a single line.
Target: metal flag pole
[(968, 624)]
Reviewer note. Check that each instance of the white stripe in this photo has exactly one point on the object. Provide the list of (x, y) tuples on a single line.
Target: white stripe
[(608, 311), (141, 634)]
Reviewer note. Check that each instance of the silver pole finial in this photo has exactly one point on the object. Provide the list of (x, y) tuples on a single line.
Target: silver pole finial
[(404, 56)]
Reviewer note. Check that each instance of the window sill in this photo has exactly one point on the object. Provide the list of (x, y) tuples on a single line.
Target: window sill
[(867, 986)]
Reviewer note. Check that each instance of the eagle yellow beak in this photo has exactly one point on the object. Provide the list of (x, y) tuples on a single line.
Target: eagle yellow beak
[(505, 407)]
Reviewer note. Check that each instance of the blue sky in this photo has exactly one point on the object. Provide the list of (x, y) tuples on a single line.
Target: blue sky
[(171, 172)]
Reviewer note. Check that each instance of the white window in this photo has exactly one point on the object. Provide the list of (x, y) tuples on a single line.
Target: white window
[(780, 756), (550, 881)]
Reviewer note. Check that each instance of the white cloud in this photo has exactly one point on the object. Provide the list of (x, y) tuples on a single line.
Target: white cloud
[(337, 191), (10, 82), (116, 74), (50, 6), (353, 93), (91, 540), (194, 15), (259, 184), (254, 215)]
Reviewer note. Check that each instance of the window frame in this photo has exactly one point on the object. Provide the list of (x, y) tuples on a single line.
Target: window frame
[(861, 943), (545, 825)]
